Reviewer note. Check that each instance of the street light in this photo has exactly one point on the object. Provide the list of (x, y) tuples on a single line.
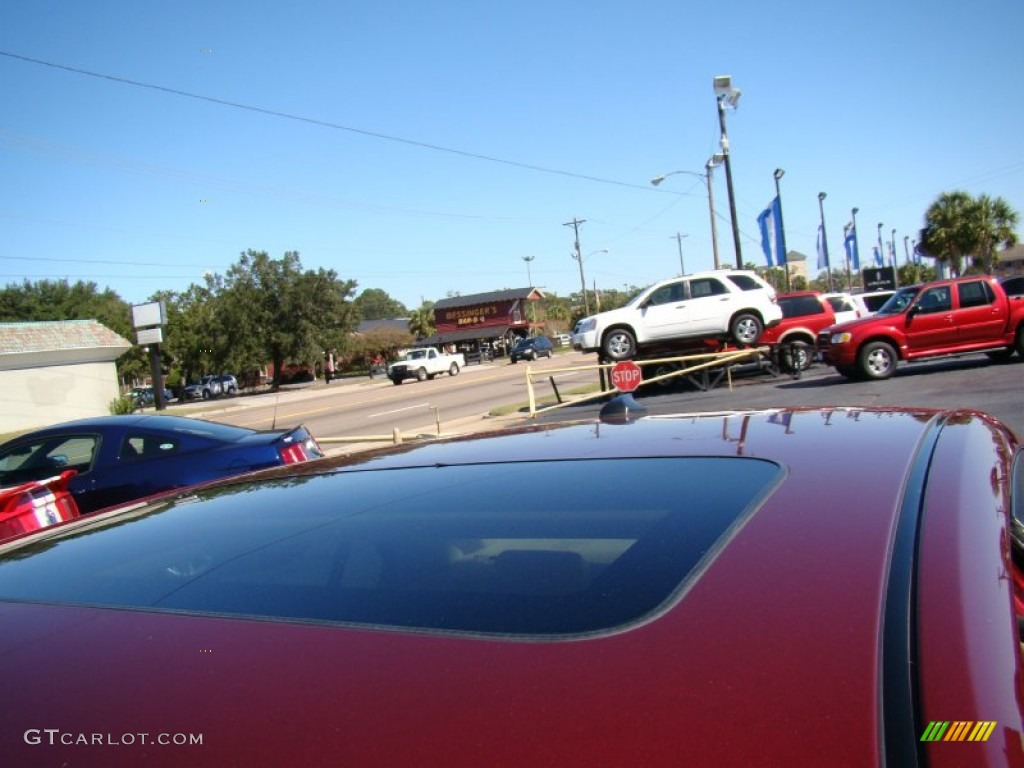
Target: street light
[(726, 95), (779, 173), (529, 277), (713, 162), (824, 239)]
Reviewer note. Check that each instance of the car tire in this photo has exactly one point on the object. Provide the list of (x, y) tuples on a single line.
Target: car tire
[(797, 358), (1000, 355), (877, 360), (746, 328), (847, 373), (421, 374), (453, 369), (663, 369), (396, 381), (618, 344), (1018, 341)]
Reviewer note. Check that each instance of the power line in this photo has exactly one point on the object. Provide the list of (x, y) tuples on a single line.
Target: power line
[(322, 123)]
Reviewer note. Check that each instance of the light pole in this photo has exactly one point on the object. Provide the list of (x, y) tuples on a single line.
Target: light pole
[(849, 273), (725, 94), (575, 224), (714, 161), (895, 269), (529, 277), (678, 237), (824, 239), (779, 173)]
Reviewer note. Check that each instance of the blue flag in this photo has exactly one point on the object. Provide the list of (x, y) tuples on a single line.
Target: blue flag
[(851, 249), (879, 261), (769, 221)]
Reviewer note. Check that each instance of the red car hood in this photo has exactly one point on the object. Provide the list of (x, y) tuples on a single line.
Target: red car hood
[(772, 657)]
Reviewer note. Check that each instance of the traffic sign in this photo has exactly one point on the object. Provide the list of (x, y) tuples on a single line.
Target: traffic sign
[(626, 376)]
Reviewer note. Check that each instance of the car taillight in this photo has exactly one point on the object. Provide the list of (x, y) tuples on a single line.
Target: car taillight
[(293, 454)]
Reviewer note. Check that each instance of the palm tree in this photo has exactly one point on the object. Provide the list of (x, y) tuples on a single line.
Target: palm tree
[(993, 222), (957, 226), (421, 321), (946, 233)]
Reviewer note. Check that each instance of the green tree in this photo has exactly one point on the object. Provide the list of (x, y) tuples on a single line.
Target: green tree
[(59, 300), (376, 304), (274, 309), (958, 226), (993, 223), (421, 321)]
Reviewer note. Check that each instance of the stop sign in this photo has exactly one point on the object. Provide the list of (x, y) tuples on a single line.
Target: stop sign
[(626, 376)]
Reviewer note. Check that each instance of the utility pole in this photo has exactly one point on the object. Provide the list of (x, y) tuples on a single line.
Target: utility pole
[(679, 239), (575, 224)]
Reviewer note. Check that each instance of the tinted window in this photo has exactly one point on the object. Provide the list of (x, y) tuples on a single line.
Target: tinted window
[(148, 447), (745, 282), (800, 306), (45, 457), (936, 299), (977, 293), (874, 302), (581, 552), (706, 286), (1014, 286), (841, 304), (666, 294)]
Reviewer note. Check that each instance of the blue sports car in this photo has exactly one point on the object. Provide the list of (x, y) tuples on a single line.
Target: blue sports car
[(121, 458)]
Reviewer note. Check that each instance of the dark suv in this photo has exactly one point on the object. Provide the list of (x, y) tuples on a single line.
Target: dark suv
[(531, 349)]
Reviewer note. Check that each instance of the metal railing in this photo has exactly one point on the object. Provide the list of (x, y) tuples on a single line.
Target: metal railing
[(688, 367)]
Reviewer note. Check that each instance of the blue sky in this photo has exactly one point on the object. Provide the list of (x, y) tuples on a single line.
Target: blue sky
[(883, 106)]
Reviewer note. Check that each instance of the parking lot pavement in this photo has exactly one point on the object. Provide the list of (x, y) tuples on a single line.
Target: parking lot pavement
[(969, 381)]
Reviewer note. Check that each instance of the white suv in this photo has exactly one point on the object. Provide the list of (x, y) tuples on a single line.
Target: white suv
[(732, 304)]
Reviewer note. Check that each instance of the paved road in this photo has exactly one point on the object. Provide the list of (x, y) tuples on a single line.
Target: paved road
[(972, 381)]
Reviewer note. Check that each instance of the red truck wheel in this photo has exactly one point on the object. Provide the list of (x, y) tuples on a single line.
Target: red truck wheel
[(877, 360)]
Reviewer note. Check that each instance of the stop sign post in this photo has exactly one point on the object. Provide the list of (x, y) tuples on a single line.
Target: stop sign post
[(626, 376)]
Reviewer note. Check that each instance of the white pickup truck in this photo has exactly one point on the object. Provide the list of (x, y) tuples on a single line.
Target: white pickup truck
[(423, 364)]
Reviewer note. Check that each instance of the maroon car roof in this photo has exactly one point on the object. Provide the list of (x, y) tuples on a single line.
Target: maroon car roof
[(772, 657)]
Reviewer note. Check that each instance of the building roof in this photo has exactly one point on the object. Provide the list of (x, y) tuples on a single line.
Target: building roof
[(1013, 253), (59, 341), (509, 294), (396, 323)]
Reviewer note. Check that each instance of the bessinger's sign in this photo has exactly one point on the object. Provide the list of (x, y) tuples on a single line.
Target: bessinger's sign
[(498, 313)]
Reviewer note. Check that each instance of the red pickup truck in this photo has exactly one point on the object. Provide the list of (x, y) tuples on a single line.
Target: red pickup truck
[(946, 317)]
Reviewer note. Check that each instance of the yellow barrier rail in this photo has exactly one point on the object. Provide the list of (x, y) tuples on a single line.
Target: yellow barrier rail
[(702, 362)]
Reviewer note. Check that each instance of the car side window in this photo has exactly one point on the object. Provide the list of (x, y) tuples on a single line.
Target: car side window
[(146, 447), (706, 286), (666, 294), (745, 283), (936, 299), (977, 293), (46, 457)]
